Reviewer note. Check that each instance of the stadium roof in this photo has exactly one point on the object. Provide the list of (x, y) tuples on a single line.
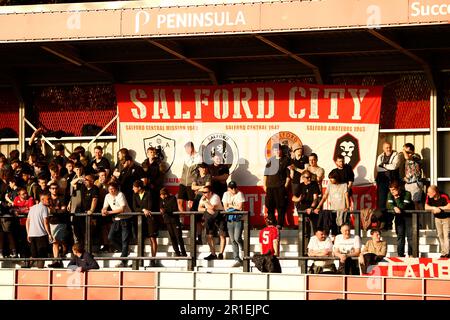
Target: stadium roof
[(224, 59)]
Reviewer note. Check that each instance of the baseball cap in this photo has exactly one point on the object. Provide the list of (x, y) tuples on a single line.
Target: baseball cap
[(296, 146), (59, 147), (232, 184)]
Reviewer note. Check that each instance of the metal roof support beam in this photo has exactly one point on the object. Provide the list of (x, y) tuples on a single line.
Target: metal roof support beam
[(426, 67), (292, 55), (68, 53), (211, 73)]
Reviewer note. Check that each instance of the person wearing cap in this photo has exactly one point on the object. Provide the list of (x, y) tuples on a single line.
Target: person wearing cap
[(233, 200), (275, 184), (202, 180), (168, 205), (299, 164)]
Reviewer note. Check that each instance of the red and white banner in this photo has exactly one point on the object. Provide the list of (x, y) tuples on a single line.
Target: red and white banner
[(411, 268), (241, 122)]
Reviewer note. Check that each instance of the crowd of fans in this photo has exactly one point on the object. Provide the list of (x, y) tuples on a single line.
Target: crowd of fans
[(45, 189)]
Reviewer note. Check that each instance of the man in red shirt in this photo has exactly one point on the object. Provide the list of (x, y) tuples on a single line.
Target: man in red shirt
[(269, 238)]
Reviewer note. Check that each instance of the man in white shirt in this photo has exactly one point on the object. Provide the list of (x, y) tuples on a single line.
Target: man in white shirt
[(347, 246), (233, 200), (320, 245), (214, 221), (38, 229), (121, 227)]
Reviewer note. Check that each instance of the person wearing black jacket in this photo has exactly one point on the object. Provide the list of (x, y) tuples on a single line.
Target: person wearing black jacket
[(168, 205), (82, 260), (142, 202)]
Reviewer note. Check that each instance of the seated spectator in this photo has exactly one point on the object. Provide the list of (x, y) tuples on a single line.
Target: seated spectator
[(214, 221), (438, 202), (321, 246), (345, 247), (373, 252), (82, 260)]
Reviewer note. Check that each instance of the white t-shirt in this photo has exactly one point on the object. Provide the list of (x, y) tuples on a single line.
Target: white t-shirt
[(117, 202), (316, 245), (37, 215), (233, 199), (346, 245), (214, 200)]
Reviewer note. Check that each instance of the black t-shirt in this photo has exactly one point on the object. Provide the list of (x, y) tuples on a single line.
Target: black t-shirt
[(441, 202), (153, 174), (86, 197), (102, 164), (57, 215), (299, 164), (277, 172), (346, 174), (218, 187), (308, 192)]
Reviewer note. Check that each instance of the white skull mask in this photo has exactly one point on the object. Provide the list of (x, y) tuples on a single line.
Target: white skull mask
[(347, 148)]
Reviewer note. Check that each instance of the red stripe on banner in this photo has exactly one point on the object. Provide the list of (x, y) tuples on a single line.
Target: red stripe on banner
[(261, 102)]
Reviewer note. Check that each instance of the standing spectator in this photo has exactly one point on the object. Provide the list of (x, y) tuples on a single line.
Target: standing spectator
[(40, 188), (121, 154), (130, 173), (153, 177), (202, 180), (387, 171), (55, 177), (99, 162), (346, 246), (38, 229), (142, 202), (75, 204), (275, 184), (346, 175), (413, 175), (117, 204), (89, 204), (214, 221), (188, 175), (60, 159), (82, 260), (36, 145), (233, 200), (7, 225), (373, 252), (306, 199), (58, 219), (28, 180), (269, 238), (399, 200), (22, 204), (168, 206), (70, 174), (438, 202), (84, 160), (321, 246), (104, 223), (219, 172), (337, 193), (299, 164)]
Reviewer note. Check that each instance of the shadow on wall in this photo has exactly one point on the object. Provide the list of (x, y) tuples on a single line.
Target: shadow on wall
[(243, 174), (360, 179)]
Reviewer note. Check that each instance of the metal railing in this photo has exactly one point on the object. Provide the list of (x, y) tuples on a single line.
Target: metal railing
[(138, 261)]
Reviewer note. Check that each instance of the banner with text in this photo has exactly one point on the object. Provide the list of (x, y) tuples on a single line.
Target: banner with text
[(240, 123)]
